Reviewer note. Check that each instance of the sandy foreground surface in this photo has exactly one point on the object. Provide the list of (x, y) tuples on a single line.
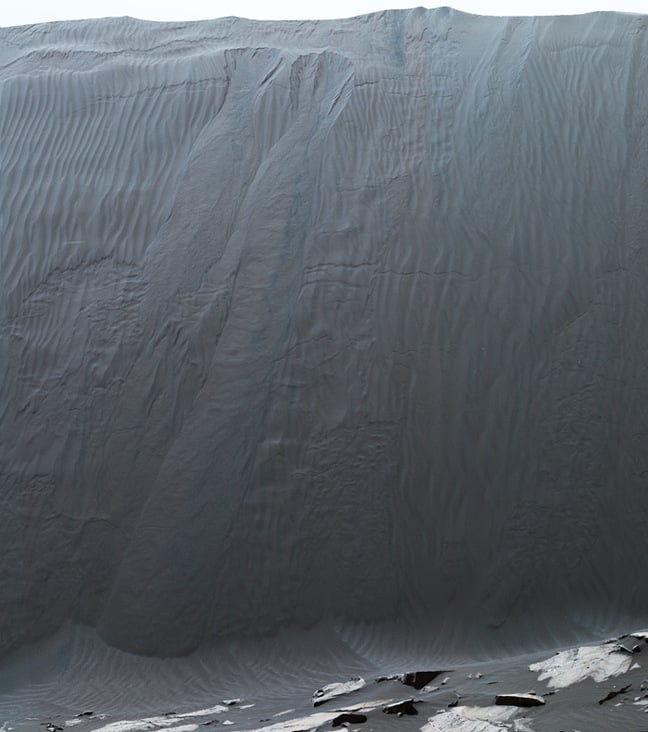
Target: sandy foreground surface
[(91, 687)]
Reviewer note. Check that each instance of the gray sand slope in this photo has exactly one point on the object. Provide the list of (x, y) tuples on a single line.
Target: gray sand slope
[(324, 320)]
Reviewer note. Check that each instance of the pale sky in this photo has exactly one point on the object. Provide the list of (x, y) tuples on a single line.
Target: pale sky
[(18, 12)]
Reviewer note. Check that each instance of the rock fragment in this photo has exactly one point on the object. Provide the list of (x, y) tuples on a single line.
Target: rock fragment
[(613, 694), (419, 679), (406, 706), (598, 662), (476, 719), (520, 700), (349, 718), (331, 691), (626, 646)]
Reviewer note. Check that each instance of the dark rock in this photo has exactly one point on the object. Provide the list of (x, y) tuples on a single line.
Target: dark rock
[(406, 706), (613, 694), (627, 646), (419, 679), (520, 700), (350, 717)]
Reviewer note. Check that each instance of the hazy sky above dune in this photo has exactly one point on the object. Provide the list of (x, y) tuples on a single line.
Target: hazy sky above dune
[(34, 11)]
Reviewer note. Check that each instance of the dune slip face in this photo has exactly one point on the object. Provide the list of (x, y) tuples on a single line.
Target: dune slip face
[(325, 324)]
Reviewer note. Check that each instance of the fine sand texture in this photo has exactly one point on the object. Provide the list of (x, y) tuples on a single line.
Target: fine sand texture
[(324, 325)]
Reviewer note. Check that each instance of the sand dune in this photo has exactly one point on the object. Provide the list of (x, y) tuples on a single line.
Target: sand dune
[(324, 322)]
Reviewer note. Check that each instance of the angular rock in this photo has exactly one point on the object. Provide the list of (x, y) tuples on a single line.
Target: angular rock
[(406, 706), (613, 694), (572, 666), (419, 679), (519, 700), (391, 677), (350, 718), (330, 691), (473, 719), (627, 646)]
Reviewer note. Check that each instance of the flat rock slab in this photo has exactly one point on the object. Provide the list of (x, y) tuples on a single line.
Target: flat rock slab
[(598, 662), (475, 719), (331, 691)]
